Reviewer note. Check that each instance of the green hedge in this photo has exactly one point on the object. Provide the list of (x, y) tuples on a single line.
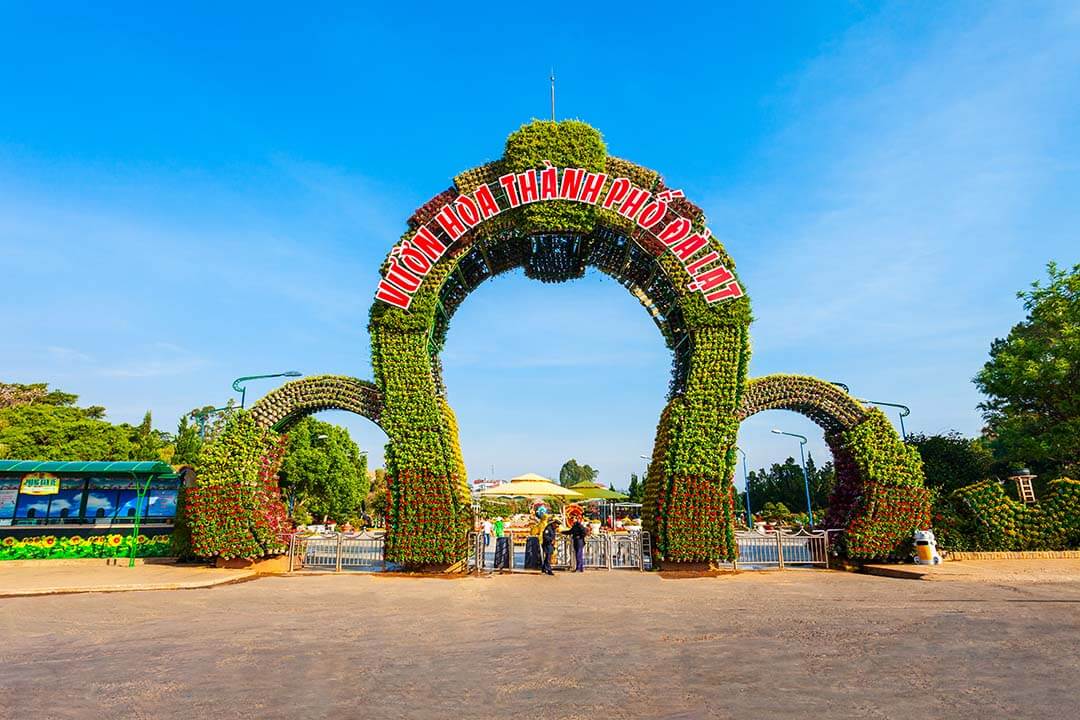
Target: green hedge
[(983, 517)]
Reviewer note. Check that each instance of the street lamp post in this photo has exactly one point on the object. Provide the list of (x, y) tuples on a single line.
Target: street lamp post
[(806, 478), (746, 486), (904, 412), (239, 384)]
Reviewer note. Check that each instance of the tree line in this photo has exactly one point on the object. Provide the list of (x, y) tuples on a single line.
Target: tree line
[(1031, 382), (323, 477)]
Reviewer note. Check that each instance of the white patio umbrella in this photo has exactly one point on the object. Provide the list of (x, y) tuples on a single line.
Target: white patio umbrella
[(530, 485)]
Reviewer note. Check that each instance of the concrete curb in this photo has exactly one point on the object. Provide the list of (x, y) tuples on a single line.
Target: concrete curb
[(88, 562), (189, 585)]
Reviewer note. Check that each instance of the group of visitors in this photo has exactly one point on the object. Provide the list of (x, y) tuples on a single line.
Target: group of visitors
[(546, 529), (489, 528)]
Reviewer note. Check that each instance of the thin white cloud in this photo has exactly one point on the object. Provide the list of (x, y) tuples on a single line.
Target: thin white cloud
[(68, 355), (925, 176)]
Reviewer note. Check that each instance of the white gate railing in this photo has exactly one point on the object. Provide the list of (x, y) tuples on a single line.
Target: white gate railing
[(337, 552), (779, 548), (604, 551)]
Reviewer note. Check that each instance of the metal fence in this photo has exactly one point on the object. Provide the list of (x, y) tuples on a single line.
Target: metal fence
[(633, 551), (603, 552), (780, 548), (337, 552)]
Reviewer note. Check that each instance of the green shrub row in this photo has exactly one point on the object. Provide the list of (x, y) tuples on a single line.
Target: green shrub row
[(982, 517)]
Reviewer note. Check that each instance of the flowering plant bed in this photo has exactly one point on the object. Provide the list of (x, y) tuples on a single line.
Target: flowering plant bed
[(49, 547)]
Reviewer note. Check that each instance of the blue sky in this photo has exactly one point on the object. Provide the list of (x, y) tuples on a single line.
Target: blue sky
[(189, 195)]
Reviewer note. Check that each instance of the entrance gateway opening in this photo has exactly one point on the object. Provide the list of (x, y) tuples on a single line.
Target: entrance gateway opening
[(555, 204)]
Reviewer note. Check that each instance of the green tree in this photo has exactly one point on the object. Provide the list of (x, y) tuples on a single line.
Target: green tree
[(187, 443), (324, 470), (784, 485), (375, 502), (952, 461), (60, 432), (148, 443), (1032, 380), (636, 489), (12, 394), (571, 473)]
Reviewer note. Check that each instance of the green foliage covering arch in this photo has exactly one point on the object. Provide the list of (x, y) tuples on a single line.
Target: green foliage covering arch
[(283, 407)]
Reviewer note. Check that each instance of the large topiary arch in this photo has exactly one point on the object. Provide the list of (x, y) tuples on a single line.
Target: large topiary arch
[(879, 497), (663, 266), (554, 204)]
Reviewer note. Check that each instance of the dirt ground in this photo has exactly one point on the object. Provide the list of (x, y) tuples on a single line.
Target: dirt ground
[(596, 645)]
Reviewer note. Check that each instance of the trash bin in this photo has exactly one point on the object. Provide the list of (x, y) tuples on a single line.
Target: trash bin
[(926, 552), (503, 550), (533, 559)]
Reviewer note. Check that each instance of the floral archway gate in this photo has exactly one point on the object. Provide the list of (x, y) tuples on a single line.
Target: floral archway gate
[(554, 204)]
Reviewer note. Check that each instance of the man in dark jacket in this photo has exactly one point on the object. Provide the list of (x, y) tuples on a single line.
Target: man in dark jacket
[(547, 544), (577, 534)]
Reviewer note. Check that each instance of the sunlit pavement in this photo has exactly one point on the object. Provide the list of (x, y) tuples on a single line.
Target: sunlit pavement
[(596, 645)]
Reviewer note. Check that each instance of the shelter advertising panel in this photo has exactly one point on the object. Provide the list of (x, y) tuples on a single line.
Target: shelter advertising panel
[(40, 484)]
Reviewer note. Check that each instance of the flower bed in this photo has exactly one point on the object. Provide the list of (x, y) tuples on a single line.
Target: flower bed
[(51, 547)]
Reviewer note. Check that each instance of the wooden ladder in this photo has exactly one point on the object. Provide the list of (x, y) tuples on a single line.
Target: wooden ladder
[(1025, 490)]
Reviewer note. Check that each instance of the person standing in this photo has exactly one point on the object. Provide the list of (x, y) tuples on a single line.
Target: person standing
[(577, 534), (485, 527), (499, 528), (547, 545)]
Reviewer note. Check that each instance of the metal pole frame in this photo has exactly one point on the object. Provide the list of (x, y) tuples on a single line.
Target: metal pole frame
[(806, 483), (904, 412), (239, 384), (806, 477), (746, 486), (140, 495), (200, 417)]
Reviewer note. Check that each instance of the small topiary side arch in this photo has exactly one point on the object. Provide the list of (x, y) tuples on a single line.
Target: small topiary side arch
[(880, 497), (283, 407)]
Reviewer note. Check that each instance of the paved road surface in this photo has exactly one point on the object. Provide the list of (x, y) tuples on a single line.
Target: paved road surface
[(597, 645)]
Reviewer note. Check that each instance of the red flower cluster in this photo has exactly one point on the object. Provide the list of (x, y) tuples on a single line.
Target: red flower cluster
[(426, 212), (885, 519)]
